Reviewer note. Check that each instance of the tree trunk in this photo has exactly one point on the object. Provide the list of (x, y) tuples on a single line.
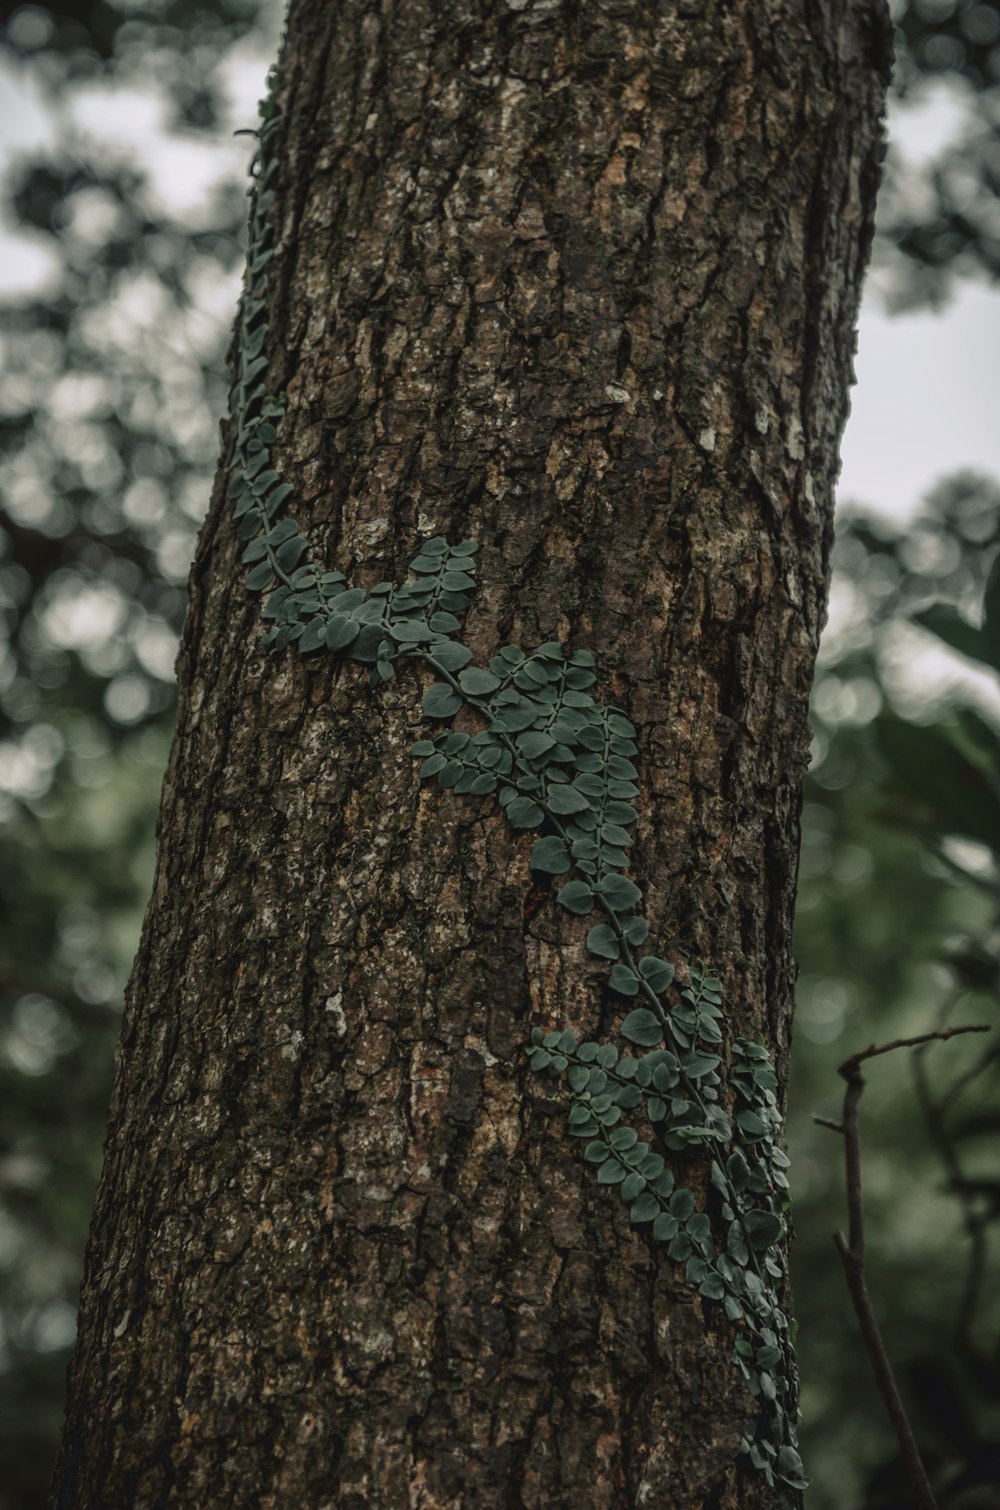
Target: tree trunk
[(580, 283)]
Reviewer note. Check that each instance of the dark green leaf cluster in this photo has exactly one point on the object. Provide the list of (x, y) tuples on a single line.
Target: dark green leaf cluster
[(307, 606), (320, 611), (546, 746), (755, 1174), (561, 761), (730, 1248), (273, 550), (660, 1084), (532, 758)]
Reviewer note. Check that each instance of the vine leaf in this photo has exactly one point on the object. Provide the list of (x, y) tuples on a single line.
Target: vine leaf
[(550, 855), (603, 941), (641, 1027), (440, 701), (478, 682), (575, 896), (523, 813), (618, 892), (657, 973), (625, 980)]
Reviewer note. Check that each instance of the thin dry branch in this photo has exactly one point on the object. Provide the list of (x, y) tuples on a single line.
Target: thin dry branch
[(852, 1064), (852, 1249)]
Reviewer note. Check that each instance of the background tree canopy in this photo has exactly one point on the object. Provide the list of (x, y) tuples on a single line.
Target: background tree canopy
[(130, 197)]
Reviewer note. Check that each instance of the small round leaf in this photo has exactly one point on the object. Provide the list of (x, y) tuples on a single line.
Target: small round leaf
[(440, 701), (602, 941), (575, 896), (658, 973), (619, 892), (642, 1027), (340, 632), (523, 813), (478, 682), (626, 981), (551, 856)]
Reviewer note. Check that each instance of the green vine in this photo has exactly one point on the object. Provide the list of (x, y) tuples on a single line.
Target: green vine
[(561, 761)]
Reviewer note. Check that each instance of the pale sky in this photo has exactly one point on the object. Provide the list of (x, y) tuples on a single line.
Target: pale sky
[(926, 400)]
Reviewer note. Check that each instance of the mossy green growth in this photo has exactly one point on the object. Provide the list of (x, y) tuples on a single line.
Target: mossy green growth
[(561, 762)]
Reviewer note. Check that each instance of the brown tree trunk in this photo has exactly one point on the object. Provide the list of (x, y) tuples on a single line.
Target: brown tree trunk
[(580, 282)]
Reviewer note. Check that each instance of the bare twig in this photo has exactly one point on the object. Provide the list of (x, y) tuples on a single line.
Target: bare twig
[(852, 1250), (884, 1376), (873, 1050)]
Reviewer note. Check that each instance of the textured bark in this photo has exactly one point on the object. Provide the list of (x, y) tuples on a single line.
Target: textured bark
[(578, 281)]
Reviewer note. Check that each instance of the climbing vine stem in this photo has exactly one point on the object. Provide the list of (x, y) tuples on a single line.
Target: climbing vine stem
[(560, 763)]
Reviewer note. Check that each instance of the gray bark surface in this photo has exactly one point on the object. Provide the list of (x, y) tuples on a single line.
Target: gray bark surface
[(579, 282)]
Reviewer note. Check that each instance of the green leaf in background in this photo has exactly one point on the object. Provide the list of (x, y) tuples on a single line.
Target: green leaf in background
[(991, 610), (951, 792), (956, 632)]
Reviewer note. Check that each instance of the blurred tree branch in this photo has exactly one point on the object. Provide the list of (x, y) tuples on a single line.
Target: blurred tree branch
[(852, 1248)]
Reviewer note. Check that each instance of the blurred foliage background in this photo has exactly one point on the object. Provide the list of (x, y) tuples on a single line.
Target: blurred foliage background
[(128, 192)]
